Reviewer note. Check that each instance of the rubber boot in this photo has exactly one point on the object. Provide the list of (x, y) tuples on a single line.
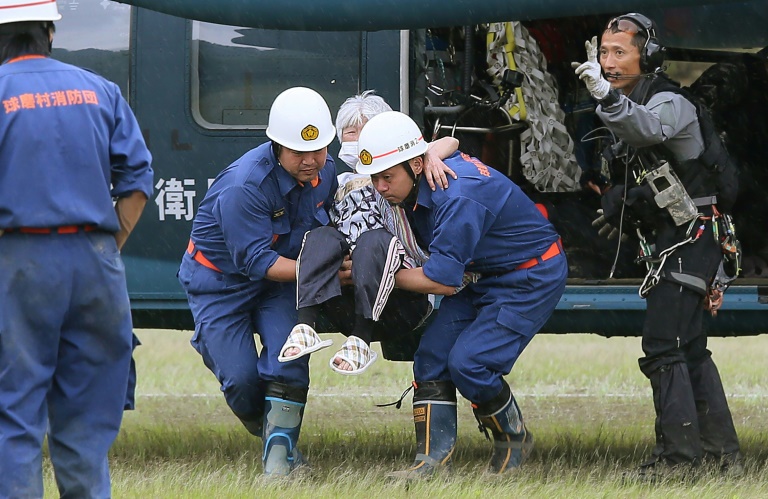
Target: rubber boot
[(718, 434), (512, 442), (284, 410), (434, 417), (678, 444)]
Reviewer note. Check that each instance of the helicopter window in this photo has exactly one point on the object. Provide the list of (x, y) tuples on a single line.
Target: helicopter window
[(686, 72), (86, 24), (238, 72)]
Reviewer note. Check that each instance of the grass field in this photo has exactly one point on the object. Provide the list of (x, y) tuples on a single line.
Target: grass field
[(582, 396)]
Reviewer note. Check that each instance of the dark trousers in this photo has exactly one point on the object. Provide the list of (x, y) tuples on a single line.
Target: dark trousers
[(480, 332), (376, 258), (228, 311), (687, 390), (65, 353)]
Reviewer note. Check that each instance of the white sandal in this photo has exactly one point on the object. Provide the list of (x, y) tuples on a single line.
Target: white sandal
[(357, 354), (305, 339)]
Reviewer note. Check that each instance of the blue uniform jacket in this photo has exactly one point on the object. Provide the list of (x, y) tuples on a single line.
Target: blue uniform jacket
[(92, 150), (255, 211), (482, 222)]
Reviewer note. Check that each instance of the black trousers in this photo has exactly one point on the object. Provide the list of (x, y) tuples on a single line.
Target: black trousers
[(692, 414), (673, 331), (375, 260)]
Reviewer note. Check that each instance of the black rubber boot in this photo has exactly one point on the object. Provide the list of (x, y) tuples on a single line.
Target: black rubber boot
[(718, 434), (434, 417), (284, 410), (512, 442)]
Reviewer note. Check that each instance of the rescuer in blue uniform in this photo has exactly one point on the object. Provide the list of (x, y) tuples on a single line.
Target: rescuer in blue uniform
[(485, 230), (239, 270), (70, 146)]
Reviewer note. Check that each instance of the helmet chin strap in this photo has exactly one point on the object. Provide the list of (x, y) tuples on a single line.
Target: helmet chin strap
[(410, 199)]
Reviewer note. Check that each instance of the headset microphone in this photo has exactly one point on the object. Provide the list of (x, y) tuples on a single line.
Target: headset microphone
[(617, 76)]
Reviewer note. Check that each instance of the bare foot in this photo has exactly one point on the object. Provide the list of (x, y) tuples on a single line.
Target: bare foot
[(342, 364), (291, 352)]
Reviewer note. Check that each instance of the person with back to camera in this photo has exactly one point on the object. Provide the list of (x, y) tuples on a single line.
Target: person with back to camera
[(666, 143), (75, 177), (500, 265), (239, 270), (365, 223)]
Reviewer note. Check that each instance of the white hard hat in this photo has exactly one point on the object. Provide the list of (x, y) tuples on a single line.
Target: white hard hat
[(387, 140), (300, 120), (14, 11)]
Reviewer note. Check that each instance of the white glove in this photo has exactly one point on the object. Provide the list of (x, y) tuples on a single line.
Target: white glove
[(590, 72)]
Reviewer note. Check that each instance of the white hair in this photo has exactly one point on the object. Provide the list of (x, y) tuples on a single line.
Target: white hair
[(358, 109)]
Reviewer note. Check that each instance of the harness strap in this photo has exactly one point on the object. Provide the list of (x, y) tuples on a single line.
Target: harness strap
[(654, 274), (692, 282), (705, 201)]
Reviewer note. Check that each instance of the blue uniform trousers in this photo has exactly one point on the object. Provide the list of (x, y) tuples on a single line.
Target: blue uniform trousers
[(228, 311), (479, 333), (65, 351)]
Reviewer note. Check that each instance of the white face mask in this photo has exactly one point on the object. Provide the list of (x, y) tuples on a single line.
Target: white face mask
[(348, 154)]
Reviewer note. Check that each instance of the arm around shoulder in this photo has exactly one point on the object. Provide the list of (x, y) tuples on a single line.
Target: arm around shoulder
[(435, 170), (444, 147)]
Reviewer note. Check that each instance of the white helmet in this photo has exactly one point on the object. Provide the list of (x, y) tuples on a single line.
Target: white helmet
[(14, 11), (300, 120), (387, 140)]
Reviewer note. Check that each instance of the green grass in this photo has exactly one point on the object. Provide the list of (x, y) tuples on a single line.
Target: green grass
[(582, 396)]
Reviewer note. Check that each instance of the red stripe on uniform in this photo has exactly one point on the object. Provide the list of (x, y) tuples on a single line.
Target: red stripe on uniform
[(395, 150)]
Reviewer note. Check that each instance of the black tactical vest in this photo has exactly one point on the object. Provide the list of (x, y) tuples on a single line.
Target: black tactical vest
[(713, 173)]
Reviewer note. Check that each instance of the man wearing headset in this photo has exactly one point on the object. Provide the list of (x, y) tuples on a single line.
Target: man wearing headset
[(656, 123)]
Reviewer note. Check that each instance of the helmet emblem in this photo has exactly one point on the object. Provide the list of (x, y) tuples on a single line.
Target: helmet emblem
[(365, 157), (310, 132)]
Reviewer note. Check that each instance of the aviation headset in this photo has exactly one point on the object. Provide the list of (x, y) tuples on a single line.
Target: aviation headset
[(653, 52)]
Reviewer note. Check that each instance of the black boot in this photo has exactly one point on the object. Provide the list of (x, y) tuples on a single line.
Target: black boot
[(283, 415), (434, 417), (512, 442), (718, 434), (678, 444)]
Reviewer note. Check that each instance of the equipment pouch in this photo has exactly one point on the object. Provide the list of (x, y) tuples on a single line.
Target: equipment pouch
[(730, 245), (669, 194)]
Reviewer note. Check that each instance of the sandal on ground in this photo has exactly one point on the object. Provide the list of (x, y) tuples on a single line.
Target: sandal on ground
[(305, 339), (357, 354)]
